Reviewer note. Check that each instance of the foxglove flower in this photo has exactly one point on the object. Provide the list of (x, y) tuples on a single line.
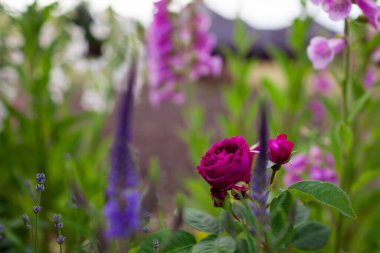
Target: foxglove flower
[(291, 178), (317, 112), (323, 174), (337, 9), (322, 84), (321, 51), (371, 10), (370, 78), (122, 198), (297, 164), (179, 51)]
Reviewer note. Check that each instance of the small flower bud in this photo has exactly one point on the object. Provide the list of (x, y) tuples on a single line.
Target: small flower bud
[(280, 149), (58, 225), (145, 230), (26, 221), (37, 209), (61, 239), (156, 244), (40, 187), (57, 218), (40, 178)]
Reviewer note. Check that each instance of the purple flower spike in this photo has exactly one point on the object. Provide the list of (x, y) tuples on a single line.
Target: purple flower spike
[(123, 200), (321, 51), (337, 9), (371, 10)]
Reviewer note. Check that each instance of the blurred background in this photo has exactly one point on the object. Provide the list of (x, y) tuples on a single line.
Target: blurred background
[(63, 67)]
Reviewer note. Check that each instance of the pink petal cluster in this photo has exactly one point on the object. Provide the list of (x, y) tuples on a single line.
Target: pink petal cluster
[(322, 84), (371, 10), (179, 51), (370, 77), (321, 51), (314, 165), (337, 9)]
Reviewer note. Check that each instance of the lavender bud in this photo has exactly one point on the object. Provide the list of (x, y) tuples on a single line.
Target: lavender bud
[(156, 244), (40, 177), (61, 239), (36, 209), (57, 218), (145, 230), (26, 221), (40, 187), (58, 225)]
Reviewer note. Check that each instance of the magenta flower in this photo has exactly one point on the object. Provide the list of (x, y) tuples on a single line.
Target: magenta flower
[(371, 10), (291, 178), (370, 78), (179, 51), (323, 174), (317, 112), (337, 9), (280, 149), (227, 163), (321, 51), (322, 84), (297, 164)]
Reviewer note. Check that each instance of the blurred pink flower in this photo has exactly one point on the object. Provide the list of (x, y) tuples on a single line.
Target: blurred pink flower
[(322, 84), (321, 51), (297, 164), (370, 78), (337, 9), (376, 55), (179, 52), (291, 178), (323, 174), (371, 10), (317, 112)]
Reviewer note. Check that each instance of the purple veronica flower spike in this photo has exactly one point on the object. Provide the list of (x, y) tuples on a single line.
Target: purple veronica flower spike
[(371, 10), (123, 200), (337, 9), (321, 51)]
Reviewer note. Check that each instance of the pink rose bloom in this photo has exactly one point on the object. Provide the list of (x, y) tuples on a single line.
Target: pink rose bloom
[(280, 149), (227, 163), (371, 10), (337, 9), (321, 51)]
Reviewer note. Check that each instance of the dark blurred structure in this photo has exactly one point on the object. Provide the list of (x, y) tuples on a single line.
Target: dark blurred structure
[(263, 40)]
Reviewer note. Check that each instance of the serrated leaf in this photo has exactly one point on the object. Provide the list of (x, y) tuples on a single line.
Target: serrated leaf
[(169, 242), (201, 221), (325, 193), (311, 236), (216, 245)]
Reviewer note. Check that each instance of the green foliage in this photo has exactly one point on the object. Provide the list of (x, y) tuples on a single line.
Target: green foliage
[(213, 244), (311, 236), (169, 242), (201, 221), (324, 193)]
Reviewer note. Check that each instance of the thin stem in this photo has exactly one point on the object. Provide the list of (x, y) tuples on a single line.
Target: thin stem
[(36, 234), (345, 173)]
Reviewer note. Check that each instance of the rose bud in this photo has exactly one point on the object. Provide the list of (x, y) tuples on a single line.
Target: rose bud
[(240, 190), (227, 163), (280, 149), (218, 196)]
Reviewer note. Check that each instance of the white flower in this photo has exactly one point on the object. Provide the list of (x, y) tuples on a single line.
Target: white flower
[(58, 85), (93, 100)]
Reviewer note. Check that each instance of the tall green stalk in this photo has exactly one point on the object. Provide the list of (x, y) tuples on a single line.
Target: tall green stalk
[(346, 157)]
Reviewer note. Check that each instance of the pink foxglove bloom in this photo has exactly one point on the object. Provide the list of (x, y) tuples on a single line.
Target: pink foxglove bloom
[(371, 10), (370, 78), (323, 174), (297, 164), (179, 51), (290, 179), (321, 51), (337, 9), (322, 84), (317, 112)]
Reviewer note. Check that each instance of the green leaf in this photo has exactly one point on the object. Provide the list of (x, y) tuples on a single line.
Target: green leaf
[(364, 179), (201, 221), (302, 214), (169, 242), (282, 212), (215, 245), (325, 193), (311, 236), (359, 105), (345, 135), (229, 224), (275, 93)]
